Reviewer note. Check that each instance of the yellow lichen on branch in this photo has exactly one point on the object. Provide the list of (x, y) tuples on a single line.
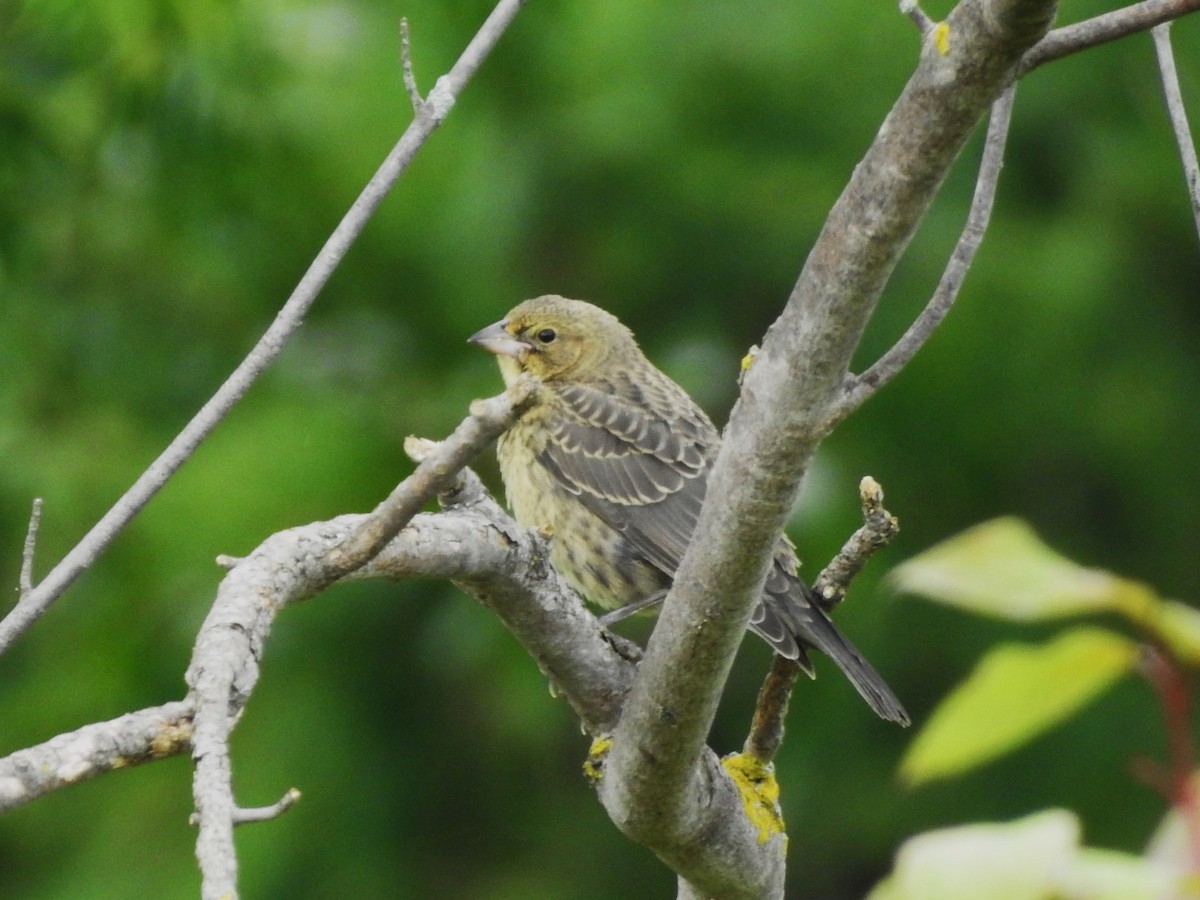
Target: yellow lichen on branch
[(755, 782)]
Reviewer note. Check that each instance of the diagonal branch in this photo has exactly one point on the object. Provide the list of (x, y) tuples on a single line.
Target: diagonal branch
[(1104, 28), (860, 388), (655, 789), (1178, 115), (437, 106), (435, 472)]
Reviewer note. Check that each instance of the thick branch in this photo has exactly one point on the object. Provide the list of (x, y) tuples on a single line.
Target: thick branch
[(479, 547), (654, 788)]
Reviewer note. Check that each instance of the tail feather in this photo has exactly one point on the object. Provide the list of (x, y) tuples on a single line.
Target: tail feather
[(789, 620)]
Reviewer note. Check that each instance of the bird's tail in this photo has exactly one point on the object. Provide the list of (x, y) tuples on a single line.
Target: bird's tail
[(789, 619)]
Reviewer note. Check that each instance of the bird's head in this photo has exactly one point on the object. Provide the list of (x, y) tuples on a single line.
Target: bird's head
[(553, 337)]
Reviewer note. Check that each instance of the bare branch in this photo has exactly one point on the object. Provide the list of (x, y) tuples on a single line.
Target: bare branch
[(410, 78), (878, 529), (481, 548), (1178, 114), (770, 711), (249, 815), (92, 750), (588, 665), (862, 387), (487, 421), (654, 789), (1101, 29), (441, 100), (477, 545), (25, 582), (919, 17)]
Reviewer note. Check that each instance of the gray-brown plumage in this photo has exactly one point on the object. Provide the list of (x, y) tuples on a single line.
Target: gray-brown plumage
[(614, 457)]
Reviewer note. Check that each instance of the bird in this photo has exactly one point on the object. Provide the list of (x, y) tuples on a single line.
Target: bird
[(612, 459)]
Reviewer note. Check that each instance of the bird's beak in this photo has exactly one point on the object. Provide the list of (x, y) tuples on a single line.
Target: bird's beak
[(496, 339)]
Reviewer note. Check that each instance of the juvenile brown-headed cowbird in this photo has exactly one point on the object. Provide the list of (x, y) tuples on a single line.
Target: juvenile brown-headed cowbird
[(613, 457)]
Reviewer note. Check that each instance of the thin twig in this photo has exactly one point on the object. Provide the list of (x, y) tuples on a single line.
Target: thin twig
[(441, 100), (859, 388), (436, 472), (1171, 686), (878, 530), (246, 815), (770, 711), (1178, 115), (35, 520), (1104, 28), (919, 17), (406, 65)]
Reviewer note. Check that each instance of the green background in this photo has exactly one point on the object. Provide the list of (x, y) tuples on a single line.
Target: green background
[(169, 167)]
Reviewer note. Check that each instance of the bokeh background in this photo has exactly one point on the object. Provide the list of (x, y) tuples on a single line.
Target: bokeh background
[(169, 167)]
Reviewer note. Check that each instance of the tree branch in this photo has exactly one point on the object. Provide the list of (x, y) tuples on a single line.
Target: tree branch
[(251, 814), (655, 788), (878, 528), (477, 545), (860, 388), (441, 99), (25, 580), (487, 421), (92, 750), (406, 67), (1178, 115), (474, 543), (1101, 29), (919, 17)]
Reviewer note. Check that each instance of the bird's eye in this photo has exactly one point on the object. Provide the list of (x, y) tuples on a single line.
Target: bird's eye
[(547, 335)]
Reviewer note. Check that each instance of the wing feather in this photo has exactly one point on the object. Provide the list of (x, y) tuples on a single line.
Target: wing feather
[(642, 470)]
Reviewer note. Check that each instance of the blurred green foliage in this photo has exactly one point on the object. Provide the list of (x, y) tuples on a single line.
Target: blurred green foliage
[(1017, 692), (168, 169)]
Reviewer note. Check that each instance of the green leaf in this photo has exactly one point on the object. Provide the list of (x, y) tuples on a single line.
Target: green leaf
[(1177, 625), (1014, 861), (1109, 875), (1033, 858), (1016, 692), (1002, 568)]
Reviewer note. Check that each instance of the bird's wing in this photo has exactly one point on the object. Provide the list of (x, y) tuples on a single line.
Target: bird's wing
[(638, 462), (642, 467)]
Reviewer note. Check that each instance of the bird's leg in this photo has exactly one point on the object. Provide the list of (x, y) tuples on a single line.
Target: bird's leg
[(624, 612)]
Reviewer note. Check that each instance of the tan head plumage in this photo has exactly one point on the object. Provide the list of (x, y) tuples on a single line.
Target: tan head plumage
[(553, 337)]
